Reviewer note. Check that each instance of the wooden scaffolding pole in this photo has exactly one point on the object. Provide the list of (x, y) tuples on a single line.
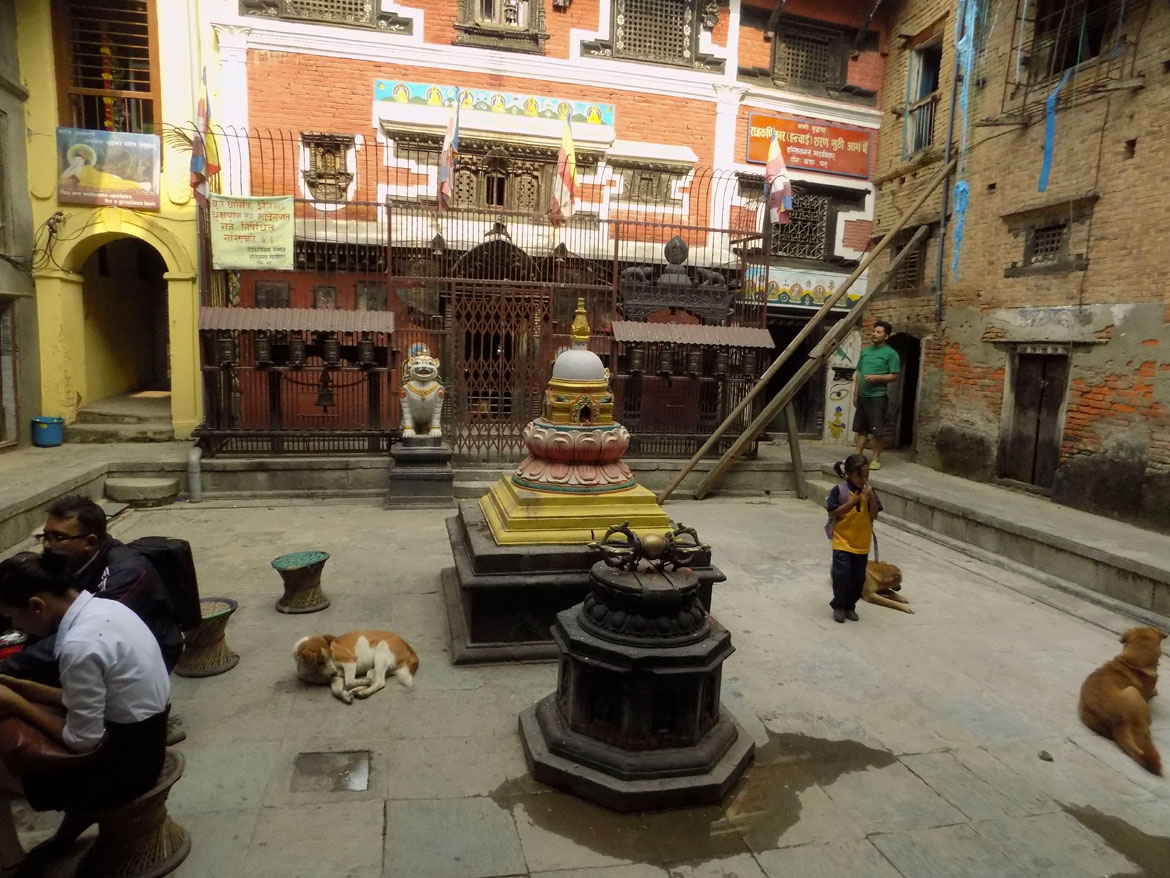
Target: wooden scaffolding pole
[(816, 359), (804, 333)]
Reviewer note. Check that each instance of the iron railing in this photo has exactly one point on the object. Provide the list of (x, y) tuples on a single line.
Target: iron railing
[(490, 291)]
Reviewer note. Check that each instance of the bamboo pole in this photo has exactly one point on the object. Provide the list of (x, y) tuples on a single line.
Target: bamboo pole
[(815, 360), (804, 333)]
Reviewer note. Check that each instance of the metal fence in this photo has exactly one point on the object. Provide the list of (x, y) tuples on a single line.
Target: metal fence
[(489, 286)]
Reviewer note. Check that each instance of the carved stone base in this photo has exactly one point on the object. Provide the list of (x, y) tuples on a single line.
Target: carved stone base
[(705, 783), (422, 474), (503, 600)]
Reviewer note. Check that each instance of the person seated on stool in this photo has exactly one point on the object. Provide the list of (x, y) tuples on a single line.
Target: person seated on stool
[(112, 703), (75, 530)]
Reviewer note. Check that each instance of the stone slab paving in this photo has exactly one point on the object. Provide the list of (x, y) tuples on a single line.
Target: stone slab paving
[(902, 745)]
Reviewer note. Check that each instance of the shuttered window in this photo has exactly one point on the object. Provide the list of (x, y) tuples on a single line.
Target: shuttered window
[(108, 64)]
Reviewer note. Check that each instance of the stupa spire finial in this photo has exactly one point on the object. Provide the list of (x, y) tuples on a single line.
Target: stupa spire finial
[(580, 331)]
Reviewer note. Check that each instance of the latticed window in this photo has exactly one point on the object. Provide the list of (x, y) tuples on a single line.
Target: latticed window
[(351, 13), (327, 173), (495, 183), (805, 236), (1047, 245), (109, 64), (807, 56), (648, 187), (660, 31)]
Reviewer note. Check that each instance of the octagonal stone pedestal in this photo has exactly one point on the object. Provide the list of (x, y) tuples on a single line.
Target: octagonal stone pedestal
[(636, 723)]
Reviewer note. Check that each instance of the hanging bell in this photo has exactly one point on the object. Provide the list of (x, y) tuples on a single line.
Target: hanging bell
[(225, 347), (262, 344), (331, 349), (637, 358), (695, 361), (325, 395), (665, 360), (296, 349), (365, 351)]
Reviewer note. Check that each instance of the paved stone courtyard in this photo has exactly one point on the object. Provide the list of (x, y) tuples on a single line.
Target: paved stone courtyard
[(900, 745)]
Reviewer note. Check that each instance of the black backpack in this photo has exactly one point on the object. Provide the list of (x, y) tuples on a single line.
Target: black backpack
[(172, 558)]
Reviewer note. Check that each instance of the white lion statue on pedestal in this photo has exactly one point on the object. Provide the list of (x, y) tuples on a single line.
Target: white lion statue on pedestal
[(421, 394)]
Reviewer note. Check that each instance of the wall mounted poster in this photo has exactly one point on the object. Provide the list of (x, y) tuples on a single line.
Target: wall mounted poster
[(107, 168), (251, 232)]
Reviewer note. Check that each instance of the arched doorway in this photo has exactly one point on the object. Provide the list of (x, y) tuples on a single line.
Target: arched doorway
[(125, 324), (904, 391)]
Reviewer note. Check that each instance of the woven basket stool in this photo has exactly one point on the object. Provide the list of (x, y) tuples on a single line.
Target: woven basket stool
[(205, 649), (139, 839), (301, 572)]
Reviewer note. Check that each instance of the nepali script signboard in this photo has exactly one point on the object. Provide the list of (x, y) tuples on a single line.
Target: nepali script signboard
[(810, 144), (251, 232)]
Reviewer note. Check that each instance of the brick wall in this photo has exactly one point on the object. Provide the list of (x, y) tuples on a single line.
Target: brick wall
[(1106, 146)]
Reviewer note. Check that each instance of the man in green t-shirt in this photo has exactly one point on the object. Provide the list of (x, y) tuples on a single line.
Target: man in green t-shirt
[(877, 366)]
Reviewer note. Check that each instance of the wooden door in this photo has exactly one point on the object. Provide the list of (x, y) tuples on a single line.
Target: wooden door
[(1030, 450)]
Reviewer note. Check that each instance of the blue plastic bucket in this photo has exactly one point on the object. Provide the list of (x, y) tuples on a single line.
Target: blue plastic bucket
[(48, 432)]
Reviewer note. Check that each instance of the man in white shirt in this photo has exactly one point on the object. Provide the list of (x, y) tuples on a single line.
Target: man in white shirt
[(114, 693)]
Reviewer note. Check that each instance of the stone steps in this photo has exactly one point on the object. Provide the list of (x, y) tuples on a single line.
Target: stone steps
[(108, 432), (142, 492)]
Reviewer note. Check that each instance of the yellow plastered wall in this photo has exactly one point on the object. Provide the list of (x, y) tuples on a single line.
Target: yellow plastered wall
[(80, 365)]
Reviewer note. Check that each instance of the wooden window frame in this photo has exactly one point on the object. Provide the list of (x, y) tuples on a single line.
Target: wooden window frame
[(63, 62), (472, 30)]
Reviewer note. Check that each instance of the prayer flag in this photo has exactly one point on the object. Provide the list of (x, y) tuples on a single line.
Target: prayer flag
[(564, 188)]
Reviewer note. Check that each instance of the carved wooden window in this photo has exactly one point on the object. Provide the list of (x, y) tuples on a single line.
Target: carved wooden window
[(348, 13), (659, 31), (498, 182), (325, 297), (810, 58), (648, 187), (371, 295), (327, 174), (501, 24), (107, 64), (805, 236), (1069, 32), (271, 294)]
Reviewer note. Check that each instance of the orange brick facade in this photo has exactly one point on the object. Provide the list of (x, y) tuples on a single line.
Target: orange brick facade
[(1098, 308)]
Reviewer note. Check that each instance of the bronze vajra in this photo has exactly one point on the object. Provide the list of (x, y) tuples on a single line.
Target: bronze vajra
[(623, 549)]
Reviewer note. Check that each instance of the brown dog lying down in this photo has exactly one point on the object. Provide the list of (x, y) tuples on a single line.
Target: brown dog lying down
[(882, 584), (1114, 697), (355, 663)]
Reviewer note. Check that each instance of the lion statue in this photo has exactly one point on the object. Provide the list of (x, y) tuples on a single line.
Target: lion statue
[(421, 394)]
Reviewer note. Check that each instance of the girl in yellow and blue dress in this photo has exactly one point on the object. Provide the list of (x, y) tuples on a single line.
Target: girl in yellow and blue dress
[(852, 507)]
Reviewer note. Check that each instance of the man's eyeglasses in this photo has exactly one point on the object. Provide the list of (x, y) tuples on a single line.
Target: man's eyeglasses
[(57, 537)]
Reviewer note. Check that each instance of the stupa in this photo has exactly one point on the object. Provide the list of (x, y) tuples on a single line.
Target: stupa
[(522, 551), (573, 483)]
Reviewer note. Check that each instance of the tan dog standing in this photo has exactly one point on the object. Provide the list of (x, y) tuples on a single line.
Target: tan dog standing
[(1114, 697), (882, 583), (355, 664)]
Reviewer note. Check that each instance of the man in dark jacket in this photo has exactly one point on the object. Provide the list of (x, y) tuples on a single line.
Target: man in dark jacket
[(76, 529)]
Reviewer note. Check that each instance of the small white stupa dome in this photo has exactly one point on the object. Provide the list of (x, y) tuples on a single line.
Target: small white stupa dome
[(578, 363)]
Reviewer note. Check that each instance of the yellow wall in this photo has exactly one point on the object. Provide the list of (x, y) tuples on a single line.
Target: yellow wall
[(72, 375)]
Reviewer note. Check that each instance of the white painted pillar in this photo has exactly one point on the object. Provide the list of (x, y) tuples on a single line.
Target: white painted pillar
[(727, 101)]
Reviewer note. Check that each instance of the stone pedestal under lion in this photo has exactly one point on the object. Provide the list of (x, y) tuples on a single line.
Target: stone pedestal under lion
[(422, 474)]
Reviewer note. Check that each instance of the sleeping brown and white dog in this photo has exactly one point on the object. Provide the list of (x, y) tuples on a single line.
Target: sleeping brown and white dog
[(355, 664)]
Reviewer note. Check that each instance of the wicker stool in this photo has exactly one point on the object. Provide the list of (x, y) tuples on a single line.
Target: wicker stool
[(139, 839), (205, 650), (301, 572)]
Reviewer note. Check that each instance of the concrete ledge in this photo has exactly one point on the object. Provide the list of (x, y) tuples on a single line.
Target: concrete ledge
[(1063, 544)]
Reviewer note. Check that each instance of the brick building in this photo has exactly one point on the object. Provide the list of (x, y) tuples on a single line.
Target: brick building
[(672, 104), (1043, 358)]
